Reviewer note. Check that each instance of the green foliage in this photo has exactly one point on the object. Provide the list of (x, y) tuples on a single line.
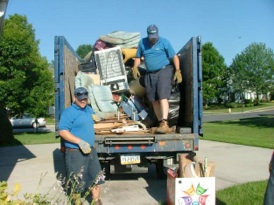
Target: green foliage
[(253, 70), (233, 105), (83, 50), (26, 83), (213, 72), (64, 191)]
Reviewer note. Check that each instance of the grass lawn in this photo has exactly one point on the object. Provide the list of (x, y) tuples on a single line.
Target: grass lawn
[(35, 138), (250, 193), (219, 109), (256, 132)]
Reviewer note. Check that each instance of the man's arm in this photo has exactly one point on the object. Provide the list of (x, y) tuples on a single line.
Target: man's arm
[(83, 145), (66, 135), (176, 62), (135, 70), (177, 75), (137, 62)]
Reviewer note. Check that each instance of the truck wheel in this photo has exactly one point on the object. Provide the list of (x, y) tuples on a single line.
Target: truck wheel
[(106, 165), (160, 169)]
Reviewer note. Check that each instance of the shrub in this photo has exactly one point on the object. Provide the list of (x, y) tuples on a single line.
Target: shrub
[(233, 105), (247, 101), (62, 192), (264, 100)]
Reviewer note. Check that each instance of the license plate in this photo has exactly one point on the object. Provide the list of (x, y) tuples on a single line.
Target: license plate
[(130, 159)]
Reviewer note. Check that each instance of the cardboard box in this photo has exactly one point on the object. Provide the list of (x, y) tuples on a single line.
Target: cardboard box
[(194, 183), (200, 190)]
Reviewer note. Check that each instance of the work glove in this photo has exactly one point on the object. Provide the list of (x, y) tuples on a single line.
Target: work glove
[(135, 72), (178, 76), (84, 146)]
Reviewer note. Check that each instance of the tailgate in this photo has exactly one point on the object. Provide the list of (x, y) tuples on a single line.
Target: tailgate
[(145, 143)]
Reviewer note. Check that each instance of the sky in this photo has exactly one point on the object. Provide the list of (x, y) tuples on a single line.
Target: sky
[(230, 25)]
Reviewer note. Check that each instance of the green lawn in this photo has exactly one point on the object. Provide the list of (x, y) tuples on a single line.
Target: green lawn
[(220, 109), (256, 132), (250, 193), (35, 138)]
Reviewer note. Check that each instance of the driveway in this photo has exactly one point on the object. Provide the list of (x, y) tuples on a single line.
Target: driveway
[(235, 164)]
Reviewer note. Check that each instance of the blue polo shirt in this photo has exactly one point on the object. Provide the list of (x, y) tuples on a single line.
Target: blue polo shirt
[(157, 56), (79, 122)]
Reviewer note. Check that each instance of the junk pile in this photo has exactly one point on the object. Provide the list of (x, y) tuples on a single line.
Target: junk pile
[(118, 100)]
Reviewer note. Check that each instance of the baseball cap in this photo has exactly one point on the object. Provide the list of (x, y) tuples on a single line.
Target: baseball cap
[(81, 93), (152, 31)]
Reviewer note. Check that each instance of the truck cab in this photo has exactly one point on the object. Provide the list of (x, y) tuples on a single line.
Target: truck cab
[(125, 150)]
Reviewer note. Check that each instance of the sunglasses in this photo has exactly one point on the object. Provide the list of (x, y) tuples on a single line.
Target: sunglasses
[(81, 93)]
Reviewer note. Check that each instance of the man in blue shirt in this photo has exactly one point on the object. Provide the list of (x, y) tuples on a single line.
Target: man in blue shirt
[(157, 53), (76, 128)]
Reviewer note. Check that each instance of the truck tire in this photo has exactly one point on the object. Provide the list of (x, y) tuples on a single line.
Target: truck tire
[(160, 172), (106, 166)]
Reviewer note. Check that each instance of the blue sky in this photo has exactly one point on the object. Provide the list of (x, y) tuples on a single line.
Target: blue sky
[(231, 25)]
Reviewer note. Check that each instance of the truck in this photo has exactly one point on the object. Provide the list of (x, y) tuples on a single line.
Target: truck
[(120, 152)]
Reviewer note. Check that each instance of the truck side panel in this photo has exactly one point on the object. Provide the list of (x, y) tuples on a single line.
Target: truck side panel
[(191, 105), (66, 63)]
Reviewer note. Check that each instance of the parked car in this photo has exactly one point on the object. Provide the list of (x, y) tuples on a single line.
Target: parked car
[(27, 121)]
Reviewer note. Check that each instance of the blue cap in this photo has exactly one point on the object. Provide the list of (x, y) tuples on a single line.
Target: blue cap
[(152, 31), (81, 93)]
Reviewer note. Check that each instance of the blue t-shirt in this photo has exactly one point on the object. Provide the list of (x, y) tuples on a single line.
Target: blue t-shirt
[(79, 122), (157, 56)]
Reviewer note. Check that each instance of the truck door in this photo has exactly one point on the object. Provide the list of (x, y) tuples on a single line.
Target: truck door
[(66, 63), (191, 101)]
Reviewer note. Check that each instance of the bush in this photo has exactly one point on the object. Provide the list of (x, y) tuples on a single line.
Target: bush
[(247, 101), (233, 105), (264, 100), (64, 191), (255, 102)]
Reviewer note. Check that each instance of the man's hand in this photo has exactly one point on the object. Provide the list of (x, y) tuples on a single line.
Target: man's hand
[(84, 146), (135, 72), (178, 76)]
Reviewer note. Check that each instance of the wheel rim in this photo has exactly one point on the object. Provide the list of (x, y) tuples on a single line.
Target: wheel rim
[(35, 125)]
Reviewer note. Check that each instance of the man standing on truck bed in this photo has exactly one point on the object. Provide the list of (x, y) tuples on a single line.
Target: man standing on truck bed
[(157, 52), (76, 128)]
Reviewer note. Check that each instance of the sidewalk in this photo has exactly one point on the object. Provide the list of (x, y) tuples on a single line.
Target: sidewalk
[(209, 112), (236, 164)]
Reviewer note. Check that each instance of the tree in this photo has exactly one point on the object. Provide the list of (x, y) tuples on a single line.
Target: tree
[(213, 72), (83, 50), (26, 83), (253, 69)]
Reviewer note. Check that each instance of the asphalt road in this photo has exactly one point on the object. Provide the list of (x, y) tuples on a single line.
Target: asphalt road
[(208, 117)]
